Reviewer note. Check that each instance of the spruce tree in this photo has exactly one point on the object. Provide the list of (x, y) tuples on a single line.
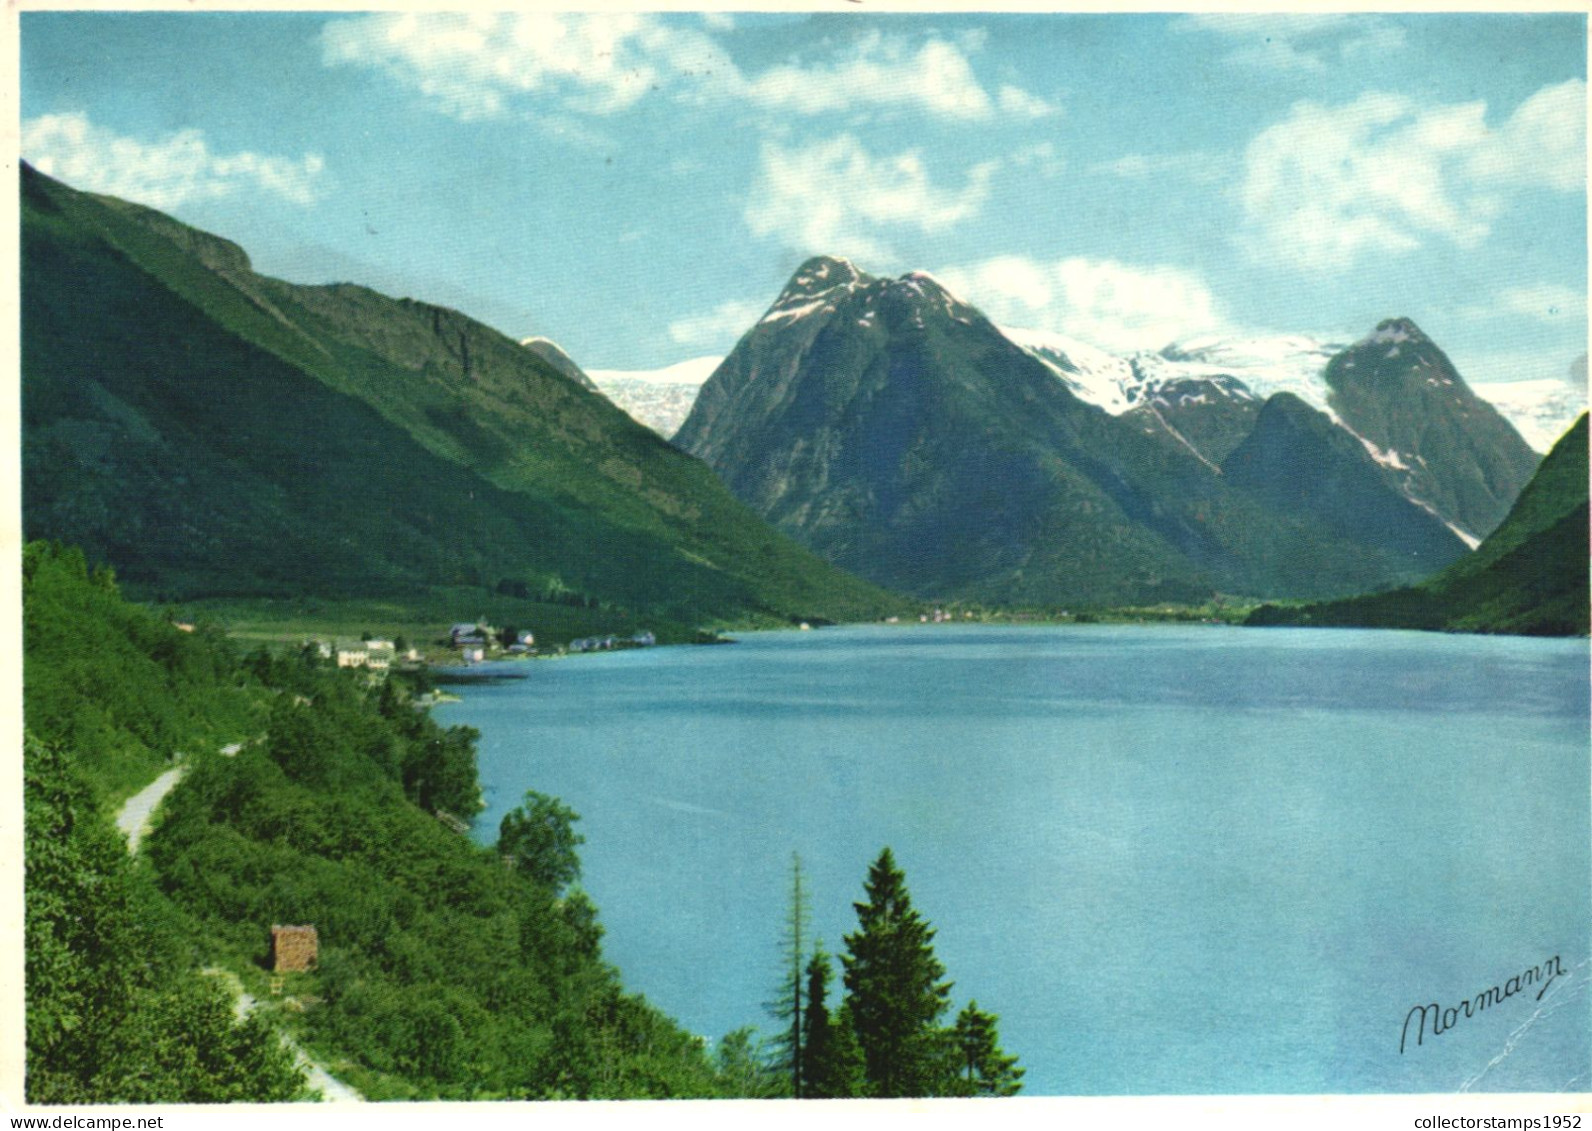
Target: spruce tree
[(816, 1038), (831, 1059), (894, 992), (845, 1074), (982, 1069)]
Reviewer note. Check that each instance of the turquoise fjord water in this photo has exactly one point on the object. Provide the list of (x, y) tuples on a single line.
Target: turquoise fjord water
[(1172, 860)]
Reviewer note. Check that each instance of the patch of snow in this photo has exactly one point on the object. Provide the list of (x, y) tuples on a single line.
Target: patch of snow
[(693, 371), (1394, 333), (1287, 363), (780, 313), (1389, 459), (660, 399), (1182, 439), (1464, 535), (1460, 532), (1092, 375)]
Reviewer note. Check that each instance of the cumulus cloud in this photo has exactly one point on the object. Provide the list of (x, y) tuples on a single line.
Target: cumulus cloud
[(836, 197), (472, 65), (167, 173), (939, 79), (1103, 302), (1542, 143), (725, 322), (480, 65), (1383, 174)]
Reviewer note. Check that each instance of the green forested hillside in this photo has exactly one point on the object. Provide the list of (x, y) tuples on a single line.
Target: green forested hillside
[(1529, 576), (213, 433), (443, 972)]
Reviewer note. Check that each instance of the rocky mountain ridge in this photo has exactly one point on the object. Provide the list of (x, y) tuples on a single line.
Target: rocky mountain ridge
[(893, 427)]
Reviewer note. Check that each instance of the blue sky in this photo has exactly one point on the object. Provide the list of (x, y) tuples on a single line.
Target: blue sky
[(638, 186)]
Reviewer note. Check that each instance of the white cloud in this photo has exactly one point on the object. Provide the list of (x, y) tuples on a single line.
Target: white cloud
[(477, 66), (1202, 168), (725, 322), (163, 174), (1308, 43), (834, 197), (1113, 305), (1541, 302), (878, 73), (473, 64), (1020, 104), (1542, 143), (1328, 185)]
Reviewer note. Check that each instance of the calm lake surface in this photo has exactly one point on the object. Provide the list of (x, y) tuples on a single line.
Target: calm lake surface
[(1172, 860)]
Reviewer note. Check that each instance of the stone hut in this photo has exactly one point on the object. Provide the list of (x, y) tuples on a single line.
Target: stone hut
[(293, 948)]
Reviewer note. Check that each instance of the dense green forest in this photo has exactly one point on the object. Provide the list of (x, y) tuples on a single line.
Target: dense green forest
[(445, 969), (311, 795)]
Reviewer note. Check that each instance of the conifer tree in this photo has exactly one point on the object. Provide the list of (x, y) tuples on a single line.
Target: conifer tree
[(787, 1004), (894, 992), (831, 1059), (816, 1040), (982, 1069), (846, 1076)]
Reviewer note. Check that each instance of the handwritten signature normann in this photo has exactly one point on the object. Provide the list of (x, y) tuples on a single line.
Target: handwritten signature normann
[(1443, 1019)]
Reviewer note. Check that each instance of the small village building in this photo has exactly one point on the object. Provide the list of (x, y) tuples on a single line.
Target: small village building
[(473, 653), (352, 658), (293, 949)]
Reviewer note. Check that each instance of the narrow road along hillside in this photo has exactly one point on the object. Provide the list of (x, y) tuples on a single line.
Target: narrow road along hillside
[(133, 820), (332, 1089), (134, 817)]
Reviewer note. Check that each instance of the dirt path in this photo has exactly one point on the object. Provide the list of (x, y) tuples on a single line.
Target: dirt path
[(332, 1089), (134, 817), (134, 821)]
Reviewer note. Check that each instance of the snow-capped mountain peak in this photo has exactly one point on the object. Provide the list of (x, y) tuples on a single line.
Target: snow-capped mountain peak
[(820, 284)]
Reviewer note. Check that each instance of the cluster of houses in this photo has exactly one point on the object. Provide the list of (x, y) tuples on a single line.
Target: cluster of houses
[(474, 641), (372, 655), (608, 643), (938, 616)]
